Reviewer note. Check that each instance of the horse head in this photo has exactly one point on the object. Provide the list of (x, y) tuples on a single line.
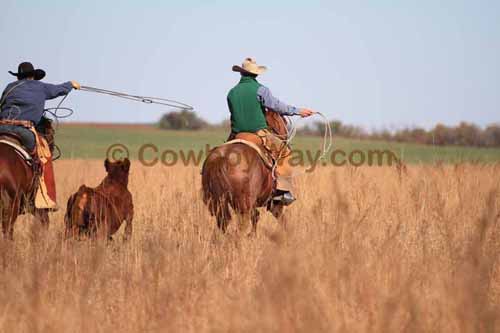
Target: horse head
[(46, 129), (277, 123), (118, 170)]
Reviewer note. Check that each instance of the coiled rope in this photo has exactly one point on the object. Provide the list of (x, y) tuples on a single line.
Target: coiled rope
[(291, 127), (327, 134)]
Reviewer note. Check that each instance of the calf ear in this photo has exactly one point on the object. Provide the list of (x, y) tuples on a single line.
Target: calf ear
[(106, 165), (126, 164)]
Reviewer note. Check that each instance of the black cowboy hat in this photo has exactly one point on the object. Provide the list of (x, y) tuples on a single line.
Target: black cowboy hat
[(26, 69)]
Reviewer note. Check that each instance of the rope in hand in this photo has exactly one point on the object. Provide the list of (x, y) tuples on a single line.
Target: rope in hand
[(144, 99)]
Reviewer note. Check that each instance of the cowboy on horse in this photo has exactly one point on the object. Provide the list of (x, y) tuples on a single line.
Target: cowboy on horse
[(21, 115), (247, 102)]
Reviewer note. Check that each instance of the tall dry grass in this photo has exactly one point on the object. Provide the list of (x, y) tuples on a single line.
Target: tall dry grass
[(366, 250)]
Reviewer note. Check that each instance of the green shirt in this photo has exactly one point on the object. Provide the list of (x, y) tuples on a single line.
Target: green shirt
[(247, 113)]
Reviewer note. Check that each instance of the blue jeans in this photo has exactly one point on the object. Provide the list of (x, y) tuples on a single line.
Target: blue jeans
[(27, 137)]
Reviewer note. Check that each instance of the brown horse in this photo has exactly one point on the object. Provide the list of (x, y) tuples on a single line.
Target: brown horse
[(234, 176), (99, 212), (18, 184)]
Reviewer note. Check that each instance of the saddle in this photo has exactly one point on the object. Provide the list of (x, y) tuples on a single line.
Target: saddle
[(16, 142), (255, 142), (13, 140)]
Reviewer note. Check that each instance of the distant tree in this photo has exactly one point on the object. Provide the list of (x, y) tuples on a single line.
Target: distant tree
[(419, 135), (385, 135), (443, 135), (317, 127), (183, 120), (402, 135), (336, 126), (491, 136), (350, 131), (467, 135)]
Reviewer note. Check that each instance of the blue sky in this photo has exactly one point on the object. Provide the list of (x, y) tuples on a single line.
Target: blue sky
[(371, 63)]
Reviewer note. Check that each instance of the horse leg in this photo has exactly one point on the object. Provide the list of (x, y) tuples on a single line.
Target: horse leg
[(128, 227), (243, 219), (278, 213), (255, 218), (222, 223), (6, 217), (13, 219), (9, 217), (42, 215)]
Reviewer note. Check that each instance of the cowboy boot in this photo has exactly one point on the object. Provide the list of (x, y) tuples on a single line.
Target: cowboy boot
[(285, 198)]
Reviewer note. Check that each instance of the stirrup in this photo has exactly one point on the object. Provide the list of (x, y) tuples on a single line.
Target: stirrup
[(54, 209), (284, 198)]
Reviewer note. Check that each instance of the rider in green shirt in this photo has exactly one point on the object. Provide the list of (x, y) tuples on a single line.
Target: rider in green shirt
[(247, 102)]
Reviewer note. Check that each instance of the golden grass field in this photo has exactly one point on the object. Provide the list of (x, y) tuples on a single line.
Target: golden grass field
[(370, 249)]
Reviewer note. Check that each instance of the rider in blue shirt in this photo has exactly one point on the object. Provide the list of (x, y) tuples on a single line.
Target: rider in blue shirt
[(25, 98)]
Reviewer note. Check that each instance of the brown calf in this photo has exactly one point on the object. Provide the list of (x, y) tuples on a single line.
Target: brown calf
[(99, 212)]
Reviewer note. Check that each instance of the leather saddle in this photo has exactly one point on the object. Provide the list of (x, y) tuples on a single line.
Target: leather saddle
[(255, 142), (13, 140)]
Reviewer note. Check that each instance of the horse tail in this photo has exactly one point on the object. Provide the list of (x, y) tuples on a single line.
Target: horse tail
[(76, 211), (4, 202), (8, 185), (216, 185)]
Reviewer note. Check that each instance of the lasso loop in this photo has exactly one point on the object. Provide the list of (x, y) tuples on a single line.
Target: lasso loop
[(54, 112), (144, 99), (56, 115)]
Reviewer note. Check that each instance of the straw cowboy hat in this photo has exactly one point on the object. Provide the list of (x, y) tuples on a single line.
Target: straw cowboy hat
[(26, 69), (249, 66)]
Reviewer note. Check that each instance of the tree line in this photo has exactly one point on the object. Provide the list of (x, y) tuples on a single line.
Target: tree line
[(464, 134)]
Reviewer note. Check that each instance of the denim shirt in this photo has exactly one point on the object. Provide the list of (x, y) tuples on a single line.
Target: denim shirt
[(267, 99), (25, 99)]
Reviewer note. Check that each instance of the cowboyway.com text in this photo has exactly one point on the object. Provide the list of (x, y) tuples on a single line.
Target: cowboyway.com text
[(151, 155)]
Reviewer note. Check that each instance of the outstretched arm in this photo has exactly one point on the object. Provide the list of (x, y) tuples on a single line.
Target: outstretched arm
[(269, 101), (55, 90)]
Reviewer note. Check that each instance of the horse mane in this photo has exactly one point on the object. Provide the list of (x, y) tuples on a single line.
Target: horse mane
[(277, 123), (47, 130)]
